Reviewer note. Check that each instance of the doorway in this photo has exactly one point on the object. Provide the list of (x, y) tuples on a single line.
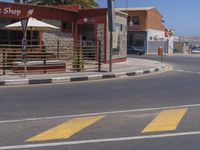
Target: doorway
[(86, 32), (87, 39)]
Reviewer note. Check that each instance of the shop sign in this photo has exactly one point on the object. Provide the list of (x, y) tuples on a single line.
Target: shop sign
[(10, 11)]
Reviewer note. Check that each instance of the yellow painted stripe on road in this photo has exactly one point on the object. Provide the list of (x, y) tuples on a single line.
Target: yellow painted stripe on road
[(167, 120), (66, 129)]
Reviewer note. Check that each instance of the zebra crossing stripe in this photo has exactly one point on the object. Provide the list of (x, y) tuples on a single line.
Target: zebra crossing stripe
[(167, 120), (66, 130)]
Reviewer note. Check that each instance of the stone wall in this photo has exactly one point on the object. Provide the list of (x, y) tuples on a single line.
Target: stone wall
[(58, 42), (51, 37), (100, 37)]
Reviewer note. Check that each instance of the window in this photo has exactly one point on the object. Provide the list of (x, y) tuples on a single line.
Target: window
[(128, 20), (117, 26), (121, 27), (137, 39), (136, 20), (67, 26)]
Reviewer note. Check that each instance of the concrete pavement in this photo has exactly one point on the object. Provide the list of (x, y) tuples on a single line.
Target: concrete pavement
[(133, 67)]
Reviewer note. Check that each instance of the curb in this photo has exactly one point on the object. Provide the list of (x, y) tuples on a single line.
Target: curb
[(83, 78)]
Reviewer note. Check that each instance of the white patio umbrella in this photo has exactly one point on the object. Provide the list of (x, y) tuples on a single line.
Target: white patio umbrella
[(33, 25)]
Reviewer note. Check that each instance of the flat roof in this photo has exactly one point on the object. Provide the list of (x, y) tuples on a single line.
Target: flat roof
[(135, 9), (139, 9)]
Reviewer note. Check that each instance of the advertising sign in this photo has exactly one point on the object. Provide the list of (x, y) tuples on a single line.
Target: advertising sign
[(116, 40), (24, 23)]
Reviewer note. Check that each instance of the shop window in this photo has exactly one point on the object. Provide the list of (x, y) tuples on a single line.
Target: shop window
[(136, 20), (66, 27)]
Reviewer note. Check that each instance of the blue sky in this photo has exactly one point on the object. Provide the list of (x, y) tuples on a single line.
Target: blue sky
[(182, 15)]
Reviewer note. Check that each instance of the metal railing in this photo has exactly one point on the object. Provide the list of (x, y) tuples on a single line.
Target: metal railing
[(74, 57)]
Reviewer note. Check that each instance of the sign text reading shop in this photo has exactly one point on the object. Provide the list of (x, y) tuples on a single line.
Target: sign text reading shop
[(10, 11)]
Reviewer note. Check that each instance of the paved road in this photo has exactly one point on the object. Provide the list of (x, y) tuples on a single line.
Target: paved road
[(159, 111)]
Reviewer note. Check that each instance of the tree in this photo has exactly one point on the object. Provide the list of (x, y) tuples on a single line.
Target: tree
[(83, 3), (18, 1)]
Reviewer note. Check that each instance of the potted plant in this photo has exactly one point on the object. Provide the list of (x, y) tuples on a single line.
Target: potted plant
[(78, 62)]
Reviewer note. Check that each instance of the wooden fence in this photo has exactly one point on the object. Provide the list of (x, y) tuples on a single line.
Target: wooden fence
[(50, 58)]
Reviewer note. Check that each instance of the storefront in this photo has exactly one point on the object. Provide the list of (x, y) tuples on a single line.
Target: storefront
[(75, 25), (146, 30), (137, 39)]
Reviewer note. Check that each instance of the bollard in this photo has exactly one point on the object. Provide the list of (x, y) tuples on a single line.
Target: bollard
[(160, 53), (99, 56)]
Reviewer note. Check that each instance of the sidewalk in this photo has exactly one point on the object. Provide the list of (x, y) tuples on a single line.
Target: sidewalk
[(133, 67)]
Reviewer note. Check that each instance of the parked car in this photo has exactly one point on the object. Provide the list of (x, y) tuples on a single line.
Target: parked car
[(195, 50), (134, 50)]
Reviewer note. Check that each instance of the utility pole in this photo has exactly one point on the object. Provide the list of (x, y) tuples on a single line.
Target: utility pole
[(112, 23), (126, 6)]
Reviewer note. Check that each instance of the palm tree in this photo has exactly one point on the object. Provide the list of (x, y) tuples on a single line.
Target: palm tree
[(83, 3)]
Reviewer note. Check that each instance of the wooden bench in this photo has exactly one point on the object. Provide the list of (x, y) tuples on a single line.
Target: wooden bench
[(39, 66)]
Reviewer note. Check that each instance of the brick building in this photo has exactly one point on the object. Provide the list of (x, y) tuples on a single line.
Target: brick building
[(145, 29), (75, 24)]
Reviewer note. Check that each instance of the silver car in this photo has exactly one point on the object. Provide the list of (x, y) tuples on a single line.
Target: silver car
[(195, 50)]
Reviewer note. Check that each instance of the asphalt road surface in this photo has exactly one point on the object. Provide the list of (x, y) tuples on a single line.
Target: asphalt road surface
[(159, 111)]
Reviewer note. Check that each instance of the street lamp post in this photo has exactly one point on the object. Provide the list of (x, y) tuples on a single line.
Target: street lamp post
[(111, 16), (24, 23)]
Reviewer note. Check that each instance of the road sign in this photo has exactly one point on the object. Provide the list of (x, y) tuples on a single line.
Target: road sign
[(24, 44), (24, 23)]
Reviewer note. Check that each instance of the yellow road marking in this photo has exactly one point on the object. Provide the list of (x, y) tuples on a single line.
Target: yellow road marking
[(167, 120), (66, 129)]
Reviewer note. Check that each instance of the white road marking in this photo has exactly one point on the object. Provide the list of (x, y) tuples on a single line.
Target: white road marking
[(27, 146), (186, 71), (100, 113), (190, 71), (179, 70)]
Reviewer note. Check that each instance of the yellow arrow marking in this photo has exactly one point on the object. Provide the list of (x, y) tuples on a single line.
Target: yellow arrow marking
[(66, 129), (167, 120)]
